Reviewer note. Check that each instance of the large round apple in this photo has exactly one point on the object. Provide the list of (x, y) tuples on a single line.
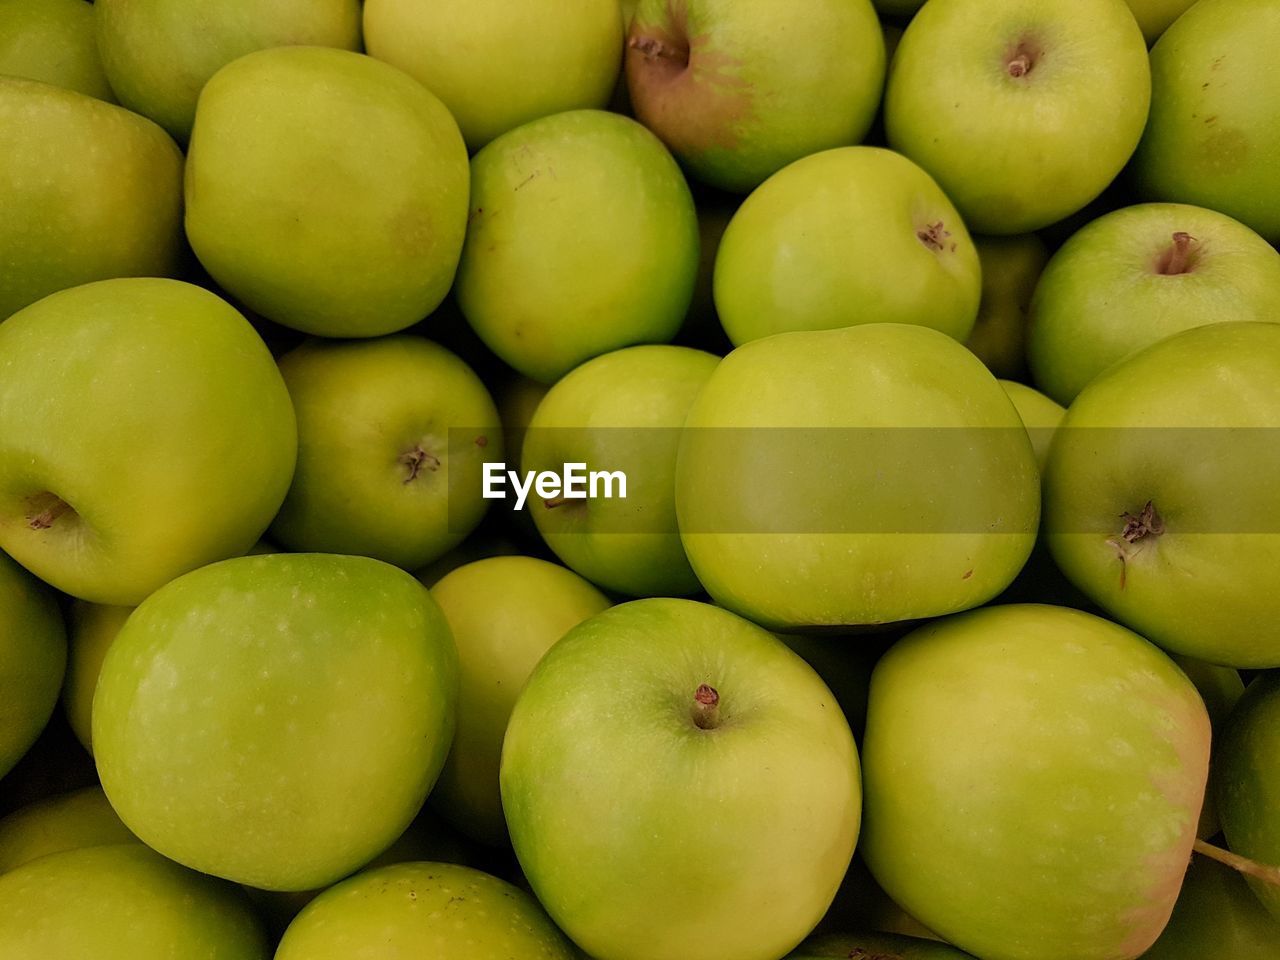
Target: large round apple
[(53, 41)]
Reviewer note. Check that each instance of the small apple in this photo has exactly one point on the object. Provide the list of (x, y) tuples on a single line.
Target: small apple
[(1216, 916), (53, 41), (91, 628), (1010, 268), (1040, 415), (33, 656), (855, 235), (68, 821), (876, 946), (1155, 16)]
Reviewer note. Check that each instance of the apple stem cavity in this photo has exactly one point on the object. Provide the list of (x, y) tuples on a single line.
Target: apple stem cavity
[(1177, 257), (1145, 524), (934, 236), (1251, 868), (416, 460), (706, 707), (654, 48), (46, 508), (1022, 60)]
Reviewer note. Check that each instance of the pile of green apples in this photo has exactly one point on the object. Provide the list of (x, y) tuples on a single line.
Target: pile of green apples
[(933, 348)]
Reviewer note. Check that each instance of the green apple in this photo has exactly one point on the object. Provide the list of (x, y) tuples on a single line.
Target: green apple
[(1214, 134), (738, 89), (674, 775), (69, 821), (855, 235), (498, 65), (505, 613), (160, 53), (583, 238), (1155, 16), (91, 629), (326, 190), (53, 41), (33, 656), (619, 412), (1221, 689), (876, 946), (277, 720), (144, 431), (850, 477), (1010, 268), (517, 401), (487, 541), (437, 910), (122, 902), (701, 327), (1033, 779), (844, 664), (72, 214), (1040, 415), (1156, 499), (1138, 275), (393, 435), (1216, 916), (1003, 103)]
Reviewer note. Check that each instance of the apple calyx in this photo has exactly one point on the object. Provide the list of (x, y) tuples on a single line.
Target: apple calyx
[(1022, 59), (1146, 523), (416, 460), (706, 707), (935, 236), (1178, 257), (1250, 868), (45, 509), (654, 48)]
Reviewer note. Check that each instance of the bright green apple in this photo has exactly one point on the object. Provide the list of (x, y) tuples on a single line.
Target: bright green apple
[(33, 656), (277, 720), (859, 476), (1155, 16), (72, 214), (1216, 916), (1003, 102), (505, 613), (1010, 268), (497, 65), (326, 190), (619, 412), (1214, 134), (1157, 503), (674, 775), (68, 821), (583, 238), (1033, 779), (855, 235), (53, 41), (144, 431), (91, 629), (1138, 275), (1040, 415), (738, 89), (876, 946)]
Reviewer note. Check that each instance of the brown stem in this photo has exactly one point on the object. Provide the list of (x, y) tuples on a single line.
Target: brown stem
[(555, 502), (1252, 868), (706, 707), (1177, 258), (1020, 65), (45, 518), (655, 49), (416, 460)]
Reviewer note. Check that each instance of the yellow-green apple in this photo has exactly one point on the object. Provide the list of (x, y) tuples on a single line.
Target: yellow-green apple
[(53, 41), (1214, 134), (844, 664), (497, 65), (438, 910), (393, 435), (674, 775), (621, 412), (326, 190), (68, 821), (33, 656), (1152, 502), (859, 476), (505, 613), (123, 902), (1216, 916), (1155, 16), (1010, 268), (740, 89), (1033, 778), (91, 628), (583, 238), (1221, 689), (487, 541), (144, 431), (875, 946), (854, 235), (277, 720), (701, 328), (1001, 101), (1136, 276), (1040, 415), (72, 214)]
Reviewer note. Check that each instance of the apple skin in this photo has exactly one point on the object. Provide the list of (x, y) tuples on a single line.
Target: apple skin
[(582, 239), (498, 65), (438, 910), (1126, 280), (393, 435), (326, 190), (1040, 415), (1156, 16), (1186, 425), (621, 411), (144, 431), (1216, 916), (1018, 152), (642, 832), (857, 444), (72, 215), (33, 656), (1010, 268), (1033, 779), (1221, 689), (1213, 138), (505, 613), (53, 41), (91, 629), (332, 712), (738, 89), (123, 902), (876, 946), (69, 821), (854, 235)]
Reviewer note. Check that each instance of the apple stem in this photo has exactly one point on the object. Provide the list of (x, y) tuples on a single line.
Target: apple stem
[(1020, 65), (555, 502), (1252, 868), (651, 48), (46, 517), (706, 707), (1177, 258)]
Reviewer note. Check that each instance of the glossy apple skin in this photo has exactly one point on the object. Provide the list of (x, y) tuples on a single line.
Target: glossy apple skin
[(277, 720), (123, 902), (73, 215), (1010, 268), (91, 629), (326, 190), (156, 413), (876, 946), (437, 910), (1104, 296), (1040, 415), (851, 477), (1033, 779), (1017, 153), (848, 236), (1221, 689), (640, 831), (69, 821), (53, 41), (1216, 916), (33, 656), (583, 239), (1188, 424), (1156, 16), (1214, 134), (505, 613)]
